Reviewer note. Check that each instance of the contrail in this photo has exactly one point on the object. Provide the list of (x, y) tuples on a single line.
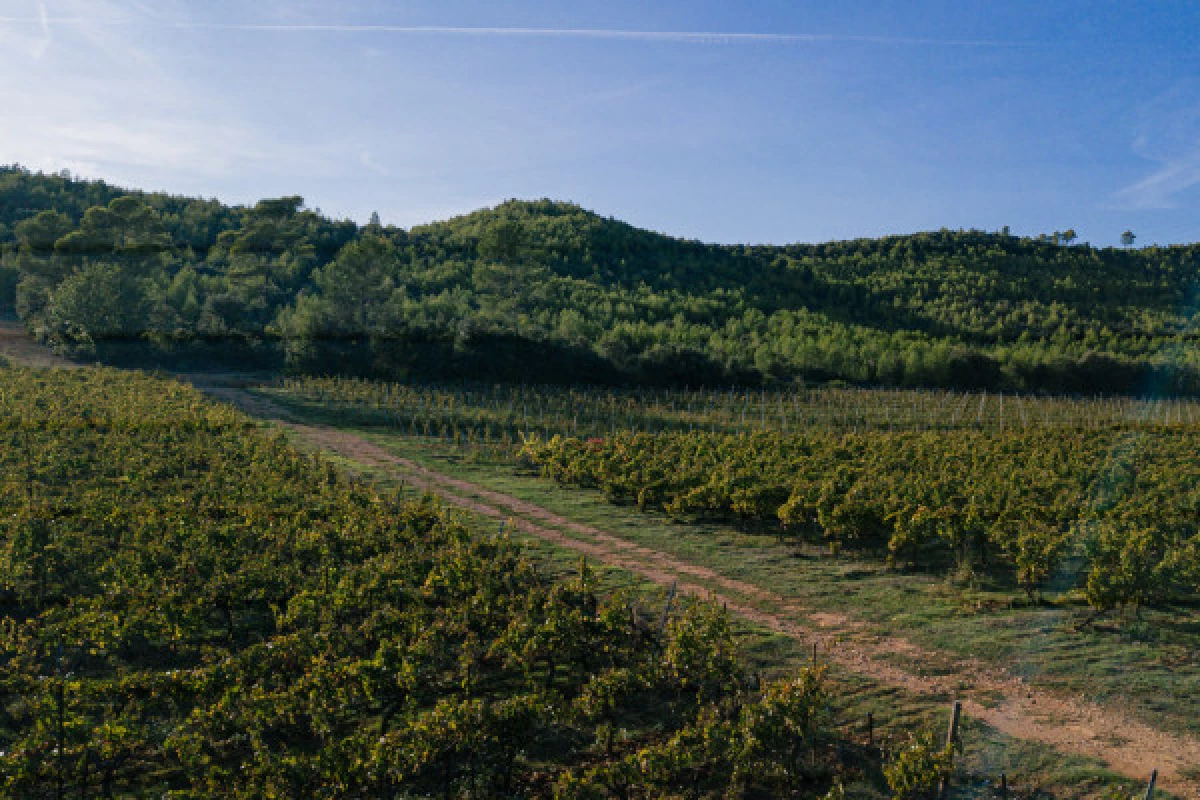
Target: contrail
[(43, 19), (676, 37)]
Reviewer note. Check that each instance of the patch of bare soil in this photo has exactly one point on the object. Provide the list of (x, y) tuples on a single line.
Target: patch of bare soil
[(20, 348)]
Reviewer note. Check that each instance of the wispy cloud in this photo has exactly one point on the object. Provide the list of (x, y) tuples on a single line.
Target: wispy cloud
[(102, 104), (1158, 190), (1168, 134), (31, 34), (40, 47), (668, 37), (368, 161)]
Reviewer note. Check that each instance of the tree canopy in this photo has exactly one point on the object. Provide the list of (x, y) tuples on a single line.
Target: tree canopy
[(548, 291)]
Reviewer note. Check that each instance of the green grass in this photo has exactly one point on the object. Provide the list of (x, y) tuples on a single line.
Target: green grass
[(1038, 643)]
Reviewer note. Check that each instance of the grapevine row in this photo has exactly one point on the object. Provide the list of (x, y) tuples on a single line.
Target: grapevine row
[(1116, 513)]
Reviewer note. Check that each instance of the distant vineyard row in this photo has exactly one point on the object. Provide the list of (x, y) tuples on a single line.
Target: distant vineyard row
[(190, 608), (495, 413), (1115, 512)]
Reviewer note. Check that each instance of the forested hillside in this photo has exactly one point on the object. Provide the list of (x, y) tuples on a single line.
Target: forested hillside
[(548, 291)]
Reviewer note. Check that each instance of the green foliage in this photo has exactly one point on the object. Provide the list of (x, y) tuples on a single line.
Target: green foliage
[(9, 276), (1006, 502), (548, 291), (918, 767), (190, 607), (1135, 565)]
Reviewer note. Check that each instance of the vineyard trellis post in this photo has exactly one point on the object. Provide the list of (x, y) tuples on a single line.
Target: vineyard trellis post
[(662, 625), (951, 735), (1150, 787), (60, 725)]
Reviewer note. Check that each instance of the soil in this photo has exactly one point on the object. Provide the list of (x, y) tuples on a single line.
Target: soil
[(18, 347)]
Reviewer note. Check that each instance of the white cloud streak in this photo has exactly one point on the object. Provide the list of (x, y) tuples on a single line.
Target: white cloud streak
[(100, 103), (39, 49), (1168, 134), (665, 37), (1157, 191)]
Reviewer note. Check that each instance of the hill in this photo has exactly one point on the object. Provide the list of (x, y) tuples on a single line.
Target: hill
[(548, 291)]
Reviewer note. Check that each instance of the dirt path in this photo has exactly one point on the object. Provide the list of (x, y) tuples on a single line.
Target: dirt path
[(1069, 724), (17, 346)]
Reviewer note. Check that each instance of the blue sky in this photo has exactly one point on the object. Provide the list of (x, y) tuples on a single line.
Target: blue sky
[(792, 121)]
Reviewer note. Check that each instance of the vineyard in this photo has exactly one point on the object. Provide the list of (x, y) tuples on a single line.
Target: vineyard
[(503, 414), (1045, 493), (193, 608), (1119, 508)]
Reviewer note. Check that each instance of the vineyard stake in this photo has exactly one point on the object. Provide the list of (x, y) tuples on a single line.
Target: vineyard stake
[(58, 793), (662, 626), (1150, 788), (951, 734), (870, 729)]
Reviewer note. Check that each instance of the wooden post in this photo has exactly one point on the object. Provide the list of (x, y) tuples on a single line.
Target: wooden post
[(662, 625), (951, 734), (814, 655), (61, 728), (1003, 786), (870, 729), (1150, 788)]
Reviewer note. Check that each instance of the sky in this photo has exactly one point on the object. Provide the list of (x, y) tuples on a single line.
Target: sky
[(739, 122)]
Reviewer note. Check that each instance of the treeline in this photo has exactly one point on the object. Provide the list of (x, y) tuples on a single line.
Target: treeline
[(549, 292), (192, 608)]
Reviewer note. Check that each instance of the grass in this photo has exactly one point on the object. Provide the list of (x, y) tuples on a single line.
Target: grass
[(1038, 643)]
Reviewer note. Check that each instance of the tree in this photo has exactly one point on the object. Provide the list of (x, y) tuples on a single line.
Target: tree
[(1127, 238), (503, 242), (39, 233)]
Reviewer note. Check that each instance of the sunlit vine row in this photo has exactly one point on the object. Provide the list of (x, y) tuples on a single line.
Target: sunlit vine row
[(1115, 513)]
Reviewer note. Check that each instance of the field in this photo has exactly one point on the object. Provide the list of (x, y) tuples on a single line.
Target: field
[(193, 608), (1097, 499), (1139, 660), (196, 607), (493, 413)]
